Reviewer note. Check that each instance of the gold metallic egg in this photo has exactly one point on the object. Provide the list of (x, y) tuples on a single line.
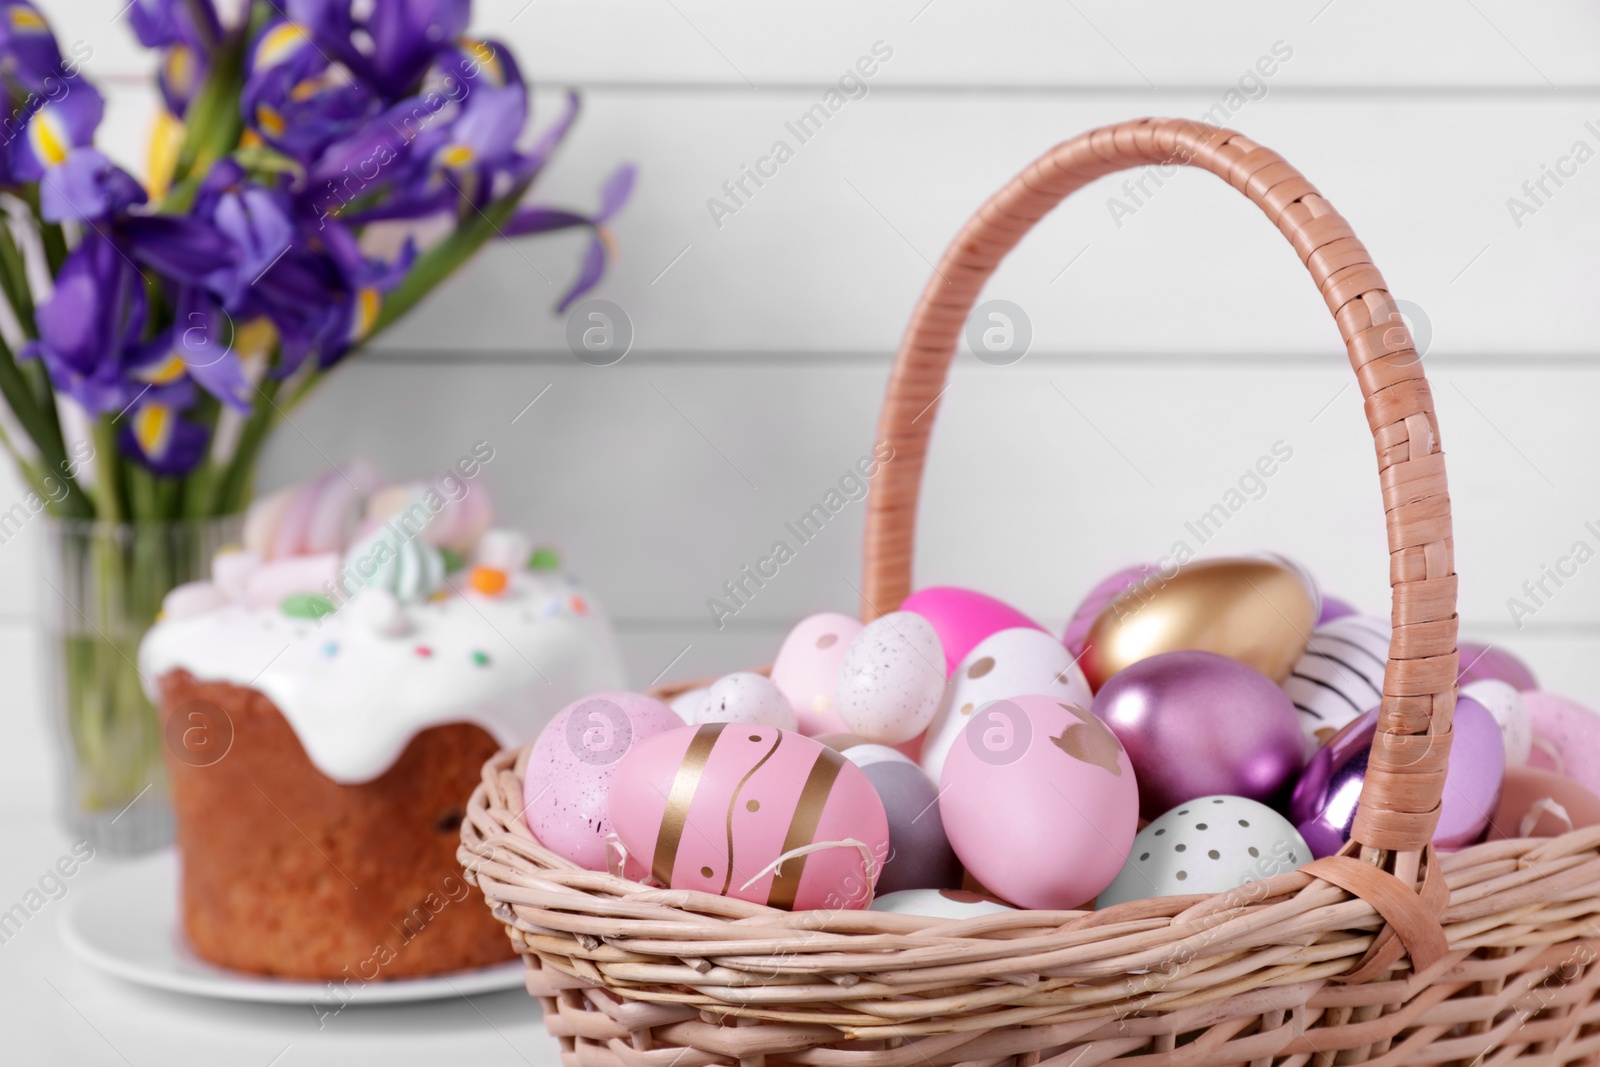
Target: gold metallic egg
[(1255, 610)]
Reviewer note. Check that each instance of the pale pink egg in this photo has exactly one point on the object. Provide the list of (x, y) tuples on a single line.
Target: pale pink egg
[(567, 785), (1039, 801), (714, 807), (962, 618), (807, 669), (1566, 738)]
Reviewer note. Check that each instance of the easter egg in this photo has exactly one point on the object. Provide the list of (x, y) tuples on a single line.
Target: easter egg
[(745, 697), (571, 767), (1505, 704), (1491, 661), (806, 669), (1009, 663), (692, 704), (1333, 608), (1198, 724), (963, 617), (734, 809), (1039, 801), (939, 904), (1566, 738), (1255, 610), (1339, 677), (1207, 845), (1323, 806), (1537, 803), (1083, 616), (891, 678), (920, 856)]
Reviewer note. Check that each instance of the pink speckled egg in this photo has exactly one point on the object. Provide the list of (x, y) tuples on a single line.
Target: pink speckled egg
[(1039, 801), (890, 678), (714, 807), (807, 669), (572, 764), (1566, 738), (962, 618)]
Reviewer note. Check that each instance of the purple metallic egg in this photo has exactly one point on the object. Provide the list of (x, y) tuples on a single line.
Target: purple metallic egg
[(1198, 724), (1479, 662), (1333, 608), (1325, 799)]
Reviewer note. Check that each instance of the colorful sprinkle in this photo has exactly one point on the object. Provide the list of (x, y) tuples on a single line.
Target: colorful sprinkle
[(578, 604), (543, 559), (331, 648), (453, 560), (306, 606), (480, 658), (490, 581), (424, 651)]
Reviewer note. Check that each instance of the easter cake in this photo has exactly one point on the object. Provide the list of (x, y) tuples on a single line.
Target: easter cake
[(330, 696)]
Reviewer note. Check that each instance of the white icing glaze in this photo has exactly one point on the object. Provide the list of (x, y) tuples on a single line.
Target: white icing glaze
[(356, 709)]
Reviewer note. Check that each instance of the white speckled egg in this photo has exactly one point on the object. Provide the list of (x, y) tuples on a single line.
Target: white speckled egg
[(891, 678), (1207, 845), (807, 669), (748, 698), (1009, 663), (1340, 676), (939, 904), (1502, 700)]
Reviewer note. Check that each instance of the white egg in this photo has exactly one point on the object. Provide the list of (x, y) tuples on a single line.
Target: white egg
[(746, 697), (939, 904), (1207, 845), (691, 704), (1340, 676), (1009, 663), (891, 678), (1504, 702)]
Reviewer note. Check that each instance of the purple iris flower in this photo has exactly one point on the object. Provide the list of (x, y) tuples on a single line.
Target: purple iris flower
[(253, 219), (198, 346), (181, 248), (91, 321), (613, 195), (406, 37), (29, 54), (164, 23), (156, 434), (302, 112), (56, 149)]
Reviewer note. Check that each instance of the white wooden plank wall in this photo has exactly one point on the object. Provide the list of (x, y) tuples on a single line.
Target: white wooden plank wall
[(1173, 345)]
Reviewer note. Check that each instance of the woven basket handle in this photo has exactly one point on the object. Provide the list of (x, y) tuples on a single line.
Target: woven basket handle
[(1405, 776)]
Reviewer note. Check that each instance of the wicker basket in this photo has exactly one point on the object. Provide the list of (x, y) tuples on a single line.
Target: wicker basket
[(1386, 954)]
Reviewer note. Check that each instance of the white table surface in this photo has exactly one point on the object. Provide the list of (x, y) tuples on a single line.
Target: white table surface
[(56, 1010)]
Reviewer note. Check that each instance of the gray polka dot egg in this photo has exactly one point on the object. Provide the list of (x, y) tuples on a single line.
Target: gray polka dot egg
[(1207, 845)]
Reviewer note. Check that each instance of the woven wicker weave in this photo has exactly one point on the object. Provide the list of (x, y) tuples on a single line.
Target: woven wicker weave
[(1388, 954)]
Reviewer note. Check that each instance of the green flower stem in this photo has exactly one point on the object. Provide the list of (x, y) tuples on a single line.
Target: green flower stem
[(14, 280), (212, 124), (44, 430), (108, 464), (234, 491)]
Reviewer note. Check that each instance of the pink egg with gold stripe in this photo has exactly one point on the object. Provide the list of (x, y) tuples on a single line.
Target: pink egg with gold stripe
[(715, 807)]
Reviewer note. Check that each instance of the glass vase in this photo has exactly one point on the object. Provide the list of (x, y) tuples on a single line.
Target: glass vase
[(105, 582)]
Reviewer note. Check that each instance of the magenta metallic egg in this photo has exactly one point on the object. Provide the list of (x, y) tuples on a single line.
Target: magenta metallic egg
[(1200, 724), (1325, 799)]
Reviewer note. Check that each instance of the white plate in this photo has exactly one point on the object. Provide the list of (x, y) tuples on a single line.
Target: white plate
[(126, 924)]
